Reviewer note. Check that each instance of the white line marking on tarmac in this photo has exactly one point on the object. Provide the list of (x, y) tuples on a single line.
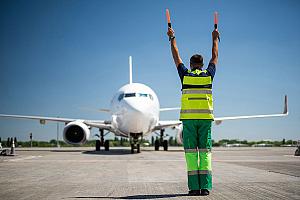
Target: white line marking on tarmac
[(25, 158)]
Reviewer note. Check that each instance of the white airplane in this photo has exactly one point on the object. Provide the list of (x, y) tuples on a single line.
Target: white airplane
[(134, 113)]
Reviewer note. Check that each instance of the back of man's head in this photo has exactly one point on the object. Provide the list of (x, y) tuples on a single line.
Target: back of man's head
[(196, 62)]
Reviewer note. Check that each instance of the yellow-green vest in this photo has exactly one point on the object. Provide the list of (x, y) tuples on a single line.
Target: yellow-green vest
[(197, 99)]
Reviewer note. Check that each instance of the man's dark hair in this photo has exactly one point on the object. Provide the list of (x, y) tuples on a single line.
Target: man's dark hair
[(196, 59)]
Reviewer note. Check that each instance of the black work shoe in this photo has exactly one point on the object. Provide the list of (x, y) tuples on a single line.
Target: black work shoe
[(204, 192), (194, 193)]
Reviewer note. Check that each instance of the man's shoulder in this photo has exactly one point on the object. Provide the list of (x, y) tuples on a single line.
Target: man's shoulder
[(211, 64), (211, 69), (182, 70), (181, 66)]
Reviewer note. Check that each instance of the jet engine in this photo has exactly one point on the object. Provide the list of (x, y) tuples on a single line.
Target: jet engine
[(76, 132), (179, 129)]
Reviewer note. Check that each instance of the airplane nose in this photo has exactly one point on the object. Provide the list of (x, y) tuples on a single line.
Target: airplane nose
[(138, 115), (136, 107)]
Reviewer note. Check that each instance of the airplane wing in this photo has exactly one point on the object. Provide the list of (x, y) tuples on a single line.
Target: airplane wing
[(219, 120), (167, 124), (161, 124), (169, 109), (92, 123)]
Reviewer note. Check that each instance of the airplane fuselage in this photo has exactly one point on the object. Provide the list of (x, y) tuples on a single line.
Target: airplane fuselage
[(134, 109)]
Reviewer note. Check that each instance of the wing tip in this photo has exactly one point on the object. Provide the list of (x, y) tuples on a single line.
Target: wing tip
[(285, 109)]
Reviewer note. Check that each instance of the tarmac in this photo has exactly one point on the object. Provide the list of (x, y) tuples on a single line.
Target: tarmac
[(82, 173)]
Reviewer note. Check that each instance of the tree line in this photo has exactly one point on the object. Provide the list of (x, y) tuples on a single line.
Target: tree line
[(119, 141)]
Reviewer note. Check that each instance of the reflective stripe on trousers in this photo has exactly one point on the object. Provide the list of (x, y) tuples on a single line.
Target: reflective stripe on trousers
[(199, 172)]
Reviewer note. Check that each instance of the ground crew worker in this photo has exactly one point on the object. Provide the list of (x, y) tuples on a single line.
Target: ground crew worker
[(197, 115)]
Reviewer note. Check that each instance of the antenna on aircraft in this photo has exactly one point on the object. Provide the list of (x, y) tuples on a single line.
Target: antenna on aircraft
[(130, 69)]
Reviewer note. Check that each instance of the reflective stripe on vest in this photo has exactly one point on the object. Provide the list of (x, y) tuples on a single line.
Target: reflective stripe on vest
[(194, 91), (196, 99)]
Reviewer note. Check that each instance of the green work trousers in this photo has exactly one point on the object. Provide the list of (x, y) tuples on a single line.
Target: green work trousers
[(197, 148)]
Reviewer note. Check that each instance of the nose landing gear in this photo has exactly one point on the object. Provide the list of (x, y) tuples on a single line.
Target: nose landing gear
[(135, 142)]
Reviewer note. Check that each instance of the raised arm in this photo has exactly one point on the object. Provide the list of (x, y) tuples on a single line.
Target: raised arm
[(214, 52), (174, 48)]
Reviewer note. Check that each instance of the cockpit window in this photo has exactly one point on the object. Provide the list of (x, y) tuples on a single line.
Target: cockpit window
[(143, 95), (126, 95), (129, 95), (151, 97), (121, 96)]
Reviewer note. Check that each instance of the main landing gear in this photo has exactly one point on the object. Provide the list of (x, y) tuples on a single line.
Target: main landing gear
[(102, 142), (134, 142), (161, 142)]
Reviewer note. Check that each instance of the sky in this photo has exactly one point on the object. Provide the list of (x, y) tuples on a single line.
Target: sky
[(67, 58)]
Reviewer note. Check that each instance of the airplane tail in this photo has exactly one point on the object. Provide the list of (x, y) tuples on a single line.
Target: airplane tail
[(130, 69)]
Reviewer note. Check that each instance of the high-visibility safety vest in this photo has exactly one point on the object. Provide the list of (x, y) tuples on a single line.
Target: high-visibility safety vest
[(197, 99)]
